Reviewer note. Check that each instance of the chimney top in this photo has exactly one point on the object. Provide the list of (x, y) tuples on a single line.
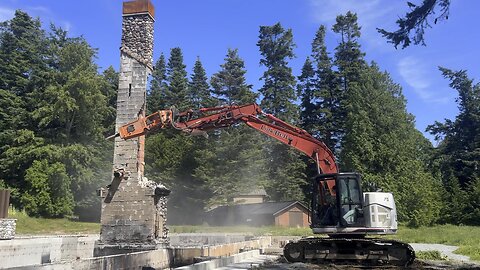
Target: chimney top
[(138, 7)]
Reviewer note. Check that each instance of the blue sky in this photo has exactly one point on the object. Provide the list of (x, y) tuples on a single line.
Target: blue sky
[(208, 28)]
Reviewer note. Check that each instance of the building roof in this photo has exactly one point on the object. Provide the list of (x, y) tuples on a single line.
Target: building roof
[(266, 208), (255, 192)]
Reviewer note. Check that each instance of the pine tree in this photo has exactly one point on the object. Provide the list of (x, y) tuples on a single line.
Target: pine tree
[(170, 156), (158, 87), (276, 46), (229, 83), (286, 167), (306, 91), (459, 150), (327, 93), (416, 20), (23, 51), (348, 55), (177, 91), (233, 162), (199, 89)]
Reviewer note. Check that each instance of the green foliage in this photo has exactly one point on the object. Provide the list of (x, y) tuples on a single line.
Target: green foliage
[(158, 86), (286, 170), (229, 83), (276, 47), (380, 142), (170, 155), (199, 90), (327, 94), (177, 90), (306, 92), (47, 192), (232, 162), (416, 20), (55, 111), (458, 154)]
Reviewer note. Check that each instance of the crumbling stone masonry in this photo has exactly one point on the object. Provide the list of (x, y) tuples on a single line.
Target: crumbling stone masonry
[(7, 228), (133, 208)]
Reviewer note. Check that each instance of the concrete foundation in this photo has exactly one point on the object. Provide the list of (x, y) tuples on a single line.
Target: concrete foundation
[(76, 252)]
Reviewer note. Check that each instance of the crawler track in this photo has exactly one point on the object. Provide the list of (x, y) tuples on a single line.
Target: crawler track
[(350, 251)]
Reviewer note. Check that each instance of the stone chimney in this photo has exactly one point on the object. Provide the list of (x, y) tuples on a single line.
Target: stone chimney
[(133, 209)]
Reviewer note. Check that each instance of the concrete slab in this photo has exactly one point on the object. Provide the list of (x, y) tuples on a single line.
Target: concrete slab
[(244, 259), (252, 263)]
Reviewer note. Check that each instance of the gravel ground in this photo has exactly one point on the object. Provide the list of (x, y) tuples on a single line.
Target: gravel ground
[(455, 261), (444, 250)]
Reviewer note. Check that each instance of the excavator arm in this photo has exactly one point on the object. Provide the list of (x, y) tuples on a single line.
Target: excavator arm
[(206, 119)]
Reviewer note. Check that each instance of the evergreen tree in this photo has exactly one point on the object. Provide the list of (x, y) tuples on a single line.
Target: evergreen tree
[(110, 92), (170, 155), (348, 54), (308, 103), (23, 51), (327, 94), (276, 47), (350, 63), (416, 20), (381, 143), (55, 113), (232, 162), (459, 151), (229, 83), (158, 87), (177, 90), (199, 89), (286, 172)]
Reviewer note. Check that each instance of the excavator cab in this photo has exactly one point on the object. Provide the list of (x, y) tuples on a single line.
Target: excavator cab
[(337, 202), (340, 207)]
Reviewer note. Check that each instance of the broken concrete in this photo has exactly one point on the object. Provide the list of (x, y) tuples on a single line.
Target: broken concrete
[(7, 228)]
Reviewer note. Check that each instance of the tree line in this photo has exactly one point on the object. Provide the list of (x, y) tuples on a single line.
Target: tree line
[(56, 109)]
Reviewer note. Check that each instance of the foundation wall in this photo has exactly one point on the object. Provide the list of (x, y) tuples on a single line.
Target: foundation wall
[(76, 252)]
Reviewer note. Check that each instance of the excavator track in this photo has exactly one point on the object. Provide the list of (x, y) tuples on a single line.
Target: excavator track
[(363, 251)]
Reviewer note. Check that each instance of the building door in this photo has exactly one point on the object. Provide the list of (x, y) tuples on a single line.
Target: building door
[(295, 219)]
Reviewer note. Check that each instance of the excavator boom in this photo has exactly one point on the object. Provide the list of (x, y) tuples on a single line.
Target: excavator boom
[(199, 122)]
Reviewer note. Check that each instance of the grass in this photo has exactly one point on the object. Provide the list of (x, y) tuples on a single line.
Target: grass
[(267, 230), (467, 238), (34, 226), (431, 255)]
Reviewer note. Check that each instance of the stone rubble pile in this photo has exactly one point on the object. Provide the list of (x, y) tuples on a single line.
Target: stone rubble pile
[(7, 228)]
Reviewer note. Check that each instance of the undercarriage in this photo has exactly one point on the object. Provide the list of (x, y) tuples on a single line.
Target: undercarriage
[(364, 251)]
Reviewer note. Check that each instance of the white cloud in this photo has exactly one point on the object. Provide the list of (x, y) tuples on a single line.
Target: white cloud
[(38, 9), (416, 74), (372, 14), (6, 14), (369, 12)]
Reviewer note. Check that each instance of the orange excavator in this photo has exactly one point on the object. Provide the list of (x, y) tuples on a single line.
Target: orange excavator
[(339, 207)]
